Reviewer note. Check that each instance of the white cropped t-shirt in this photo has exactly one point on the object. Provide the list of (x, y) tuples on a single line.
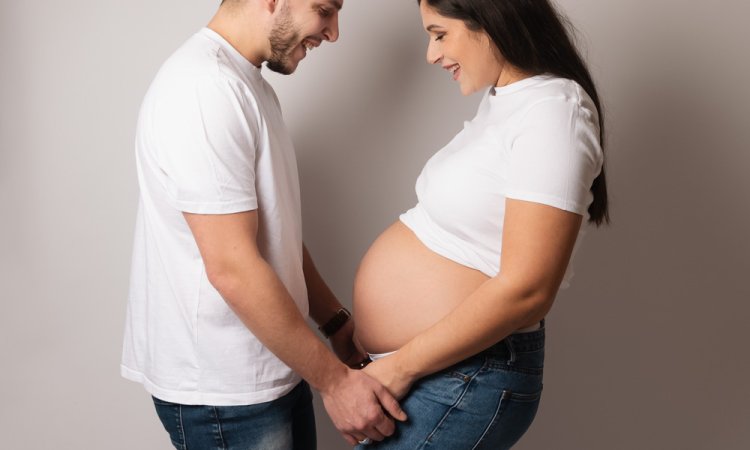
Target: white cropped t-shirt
[(535, 140)]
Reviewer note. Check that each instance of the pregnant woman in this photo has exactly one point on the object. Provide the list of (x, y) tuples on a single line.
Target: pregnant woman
[(450, 300)]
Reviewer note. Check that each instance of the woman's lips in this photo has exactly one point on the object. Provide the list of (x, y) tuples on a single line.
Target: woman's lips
[(454, 69), (456, 73)]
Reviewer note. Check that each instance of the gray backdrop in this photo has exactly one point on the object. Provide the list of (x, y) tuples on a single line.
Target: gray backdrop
[(646, 349)]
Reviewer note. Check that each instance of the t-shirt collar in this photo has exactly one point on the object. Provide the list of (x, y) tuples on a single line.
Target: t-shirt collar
[(246, 66)]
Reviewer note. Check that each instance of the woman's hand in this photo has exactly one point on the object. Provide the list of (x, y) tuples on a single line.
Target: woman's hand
[(386, 371)]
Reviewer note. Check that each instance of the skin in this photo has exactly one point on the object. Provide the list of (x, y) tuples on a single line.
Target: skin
[(359, 406), (276, 31), (537, 241), (470, 56)]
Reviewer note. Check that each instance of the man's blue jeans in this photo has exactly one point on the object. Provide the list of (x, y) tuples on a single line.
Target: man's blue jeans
[(286, 423), (486, 402)]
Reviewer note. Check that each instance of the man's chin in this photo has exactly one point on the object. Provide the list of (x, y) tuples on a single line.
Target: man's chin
[(282, 67)]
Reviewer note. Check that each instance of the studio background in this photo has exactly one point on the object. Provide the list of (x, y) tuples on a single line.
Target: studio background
[(646, 350)]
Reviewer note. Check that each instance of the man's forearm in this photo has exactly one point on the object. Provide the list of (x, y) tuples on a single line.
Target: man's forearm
[(235, 267), (323, 302), (262, 302)]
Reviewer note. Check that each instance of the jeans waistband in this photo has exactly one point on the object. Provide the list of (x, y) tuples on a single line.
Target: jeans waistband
[(518, 342)]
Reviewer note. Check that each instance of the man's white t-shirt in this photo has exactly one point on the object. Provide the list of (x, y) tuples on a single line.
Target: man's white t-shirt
[(210, 140)]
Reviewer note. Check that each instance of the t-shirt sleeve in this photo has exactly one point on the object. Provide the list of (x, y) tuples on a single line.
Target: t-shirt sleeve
[(206, 139), (556, 155)]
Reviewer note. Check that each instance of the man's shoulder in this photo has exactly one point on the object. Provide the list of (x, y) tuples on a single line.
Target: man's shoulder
[(201, 77), (200, 60)]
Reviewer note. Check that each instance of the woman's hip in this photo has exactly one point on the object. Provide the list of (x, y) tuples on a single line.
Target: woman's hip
[(486, 401)]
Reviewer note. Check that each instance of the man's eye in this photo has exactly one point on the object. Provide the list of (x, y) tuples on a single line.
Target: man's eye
[(324, 12)]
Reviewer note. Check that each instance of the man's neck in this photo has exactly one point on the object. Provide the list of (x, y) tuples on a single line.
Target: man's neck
[(234, 26)]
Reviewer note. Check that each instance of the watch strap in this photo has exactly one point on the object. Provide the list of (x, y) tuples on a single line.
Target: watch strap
[(335, 323)]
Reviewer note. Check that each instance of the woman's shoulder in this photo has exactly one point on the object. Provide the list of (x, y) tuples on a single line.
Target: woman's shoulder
[(554, 88), (552, 95), (539, 92)]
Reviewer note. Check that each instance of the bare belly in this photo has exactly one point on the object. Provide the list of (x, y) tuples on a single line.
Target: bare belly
[(402, 288)]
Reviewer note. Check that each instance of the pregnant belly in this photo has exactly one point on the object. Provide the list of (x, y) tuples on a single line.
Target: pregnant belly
[(402, 288)]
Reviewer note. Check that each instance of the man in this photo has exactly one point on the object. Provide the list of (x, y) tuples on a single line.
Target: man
[(220, 280)]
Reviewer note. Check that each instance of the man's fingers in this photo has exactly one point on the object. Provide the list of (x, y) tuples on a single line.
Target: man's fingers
[(350, 439), (373, 433), (370, 424), (385, 427), (390, 404), (363, 409)]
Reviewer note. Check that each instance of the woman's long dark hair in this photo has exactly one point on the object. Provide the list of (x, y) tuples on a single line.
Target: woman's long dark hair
[(532, 36)]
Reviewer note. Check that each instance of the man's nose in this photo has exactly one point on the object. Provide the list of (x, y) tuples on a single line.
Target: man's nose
[(331, 32)]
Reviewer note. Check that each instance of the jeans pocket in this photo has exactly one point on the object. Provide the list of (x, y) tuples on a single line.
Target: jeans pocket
[(515, 413), (171, 418)]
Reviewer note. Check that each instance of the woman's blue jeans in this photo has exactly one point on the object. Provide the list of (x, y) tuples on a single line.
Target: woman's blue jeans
[(485, 402), (286, 423)]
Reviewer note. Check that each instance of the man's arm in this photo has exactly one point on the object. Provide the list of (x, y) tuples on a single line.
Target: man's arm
[(252, 289), (323, 307)]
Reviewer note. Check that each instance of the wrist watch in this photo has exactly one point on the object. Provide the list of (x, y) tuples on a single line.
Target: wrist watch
[(335, 323)]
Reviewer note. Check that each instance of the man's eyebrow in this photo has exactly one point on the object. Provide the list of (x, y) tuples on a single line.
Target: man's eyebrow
[(337, 4)]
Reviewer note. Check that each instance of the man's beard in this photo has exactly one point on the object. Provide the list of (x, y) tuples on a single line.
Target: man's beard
[(284, 38)]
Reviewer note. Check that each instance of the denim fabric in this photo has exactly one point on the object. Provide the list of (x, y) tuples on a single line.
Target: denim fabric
[(485, 402), (286, 423)]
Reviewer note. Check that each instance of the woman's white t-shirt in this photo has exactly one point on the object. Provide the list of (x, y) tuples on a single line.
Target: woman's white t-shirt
[(535, 140)]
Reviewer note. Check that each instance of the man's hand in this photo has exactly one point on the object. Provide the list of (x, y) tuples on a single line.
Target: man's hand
[(386, 372), (345, 347), (361, 408)]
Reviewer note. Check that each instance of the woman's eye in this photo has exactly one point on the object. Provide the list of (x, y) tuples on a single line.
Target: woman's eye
[(439, 37)]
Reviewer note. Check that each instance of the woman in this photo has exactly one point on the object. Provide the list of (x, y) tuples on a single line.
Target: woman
[(459, 339)]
